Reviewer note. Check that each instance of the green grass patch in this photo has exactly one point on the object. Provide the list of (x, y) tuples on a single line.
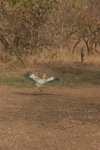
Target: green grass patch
[(18, 82)]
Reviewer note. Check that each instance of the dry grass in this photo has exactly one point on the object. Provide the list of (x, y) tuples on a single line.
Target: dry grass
[(51, 59), (54, 55), (50, 56)]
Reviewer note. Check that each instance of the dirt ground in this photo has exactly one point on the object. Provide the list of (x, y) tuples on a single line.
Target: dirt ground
[(60, 118)]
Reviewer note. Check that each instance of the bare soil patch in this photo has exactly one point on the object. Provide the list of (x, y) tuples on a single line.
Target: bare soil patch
[(58, 119)]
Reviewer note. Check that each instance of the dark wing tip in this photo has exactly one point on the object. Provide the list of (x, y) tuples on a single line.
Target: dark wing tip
[(27, 76), (58, 79), (55, 80)]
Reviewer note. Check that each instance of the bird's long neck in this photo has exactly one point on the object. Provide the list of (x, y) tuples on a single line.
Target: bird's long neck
[(44, 76)]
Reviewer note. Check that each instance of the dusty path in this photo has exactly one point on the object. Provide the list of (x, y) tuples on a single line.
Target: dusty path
[(58, 119)]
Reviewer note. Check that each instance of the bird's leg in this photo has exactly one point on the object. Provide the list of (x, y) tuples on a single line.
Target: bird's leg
[(41, 89)]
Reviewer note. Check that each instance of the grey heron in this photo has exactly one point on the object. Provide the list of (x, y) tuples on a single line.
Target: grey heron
[(41, 82)]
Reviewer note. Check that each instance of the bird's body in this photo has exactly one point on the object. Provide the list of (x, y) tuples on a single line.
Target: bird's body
[(41, 82)]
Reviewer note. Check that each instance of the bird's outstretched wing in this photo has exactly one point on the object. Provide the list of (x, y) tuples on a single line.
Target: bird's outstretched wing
[(30, 77), (53, 80)]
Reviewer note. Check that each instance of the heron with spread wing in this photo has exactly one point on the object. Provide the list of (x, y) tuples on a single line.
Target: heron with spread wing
[(41, 82)]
